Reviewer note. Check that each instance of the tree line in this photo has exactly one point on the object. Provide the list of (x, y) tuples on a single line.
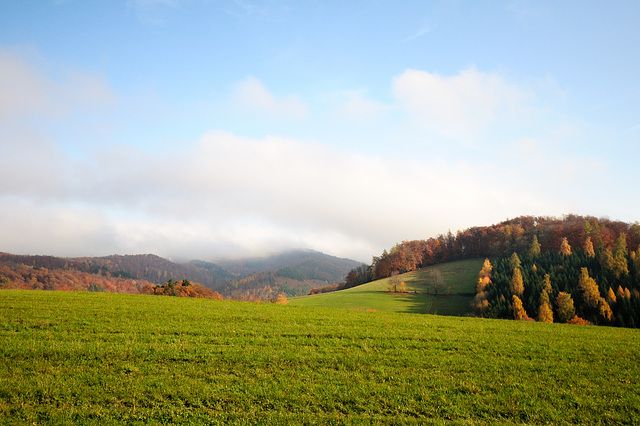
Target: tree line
[(583, 285), (503, 239)]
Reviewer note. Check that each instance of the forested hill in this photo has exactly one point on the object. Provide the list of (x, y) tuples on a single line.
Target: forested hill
[(574, 269), (300, 269), (503, 239)]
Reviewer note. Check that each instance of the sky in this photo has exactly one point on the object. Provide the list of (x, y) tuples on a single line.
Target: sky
[(206, 129)]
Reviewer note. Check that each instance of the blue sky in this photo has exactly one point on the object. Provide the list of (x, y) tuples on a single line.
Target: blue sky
[(206, 129)]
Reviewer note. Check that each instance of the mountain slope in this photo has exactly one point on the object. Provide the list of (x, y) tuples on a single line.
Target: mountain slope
[(292, 273)]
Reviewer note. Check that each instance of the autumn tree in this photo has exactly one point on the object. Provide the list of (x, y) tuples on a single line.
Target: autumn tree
[(606, 259), (565, 248), (545, 313), (517, 283), (588, 247), (564, 307), (480, 302), (282, 299), (486, 269), (518, 310), (534, 248), (514, 261), (393, 283), (604, 310), (611, 296), (620, 253), (589, 288)]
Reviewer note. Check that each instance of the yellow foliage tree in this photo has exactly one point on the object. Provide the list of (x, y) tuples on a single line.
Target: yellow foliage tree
[(564, 307), (605, 310), (588, 248), (480, 302), (517, 283), (518, 310), (534, 248), (606, 259), (620, 266), (611, 296), (514, 261), (565, 248), (486, 269), (282, 299), (589, 289), (545, 314), (546, 285)]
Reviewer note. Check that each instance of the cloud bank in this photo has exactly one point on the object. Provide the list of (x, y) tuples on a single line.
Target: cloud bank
[(225, 194)]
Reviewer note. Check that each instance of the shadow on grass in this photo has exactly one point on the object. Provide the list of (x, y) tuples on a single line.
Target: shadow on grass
[(440, 304)]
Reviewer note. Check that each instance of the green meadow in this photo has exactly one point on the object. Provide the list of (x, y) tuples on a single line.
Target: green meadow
[(96, 358), (443, 289)]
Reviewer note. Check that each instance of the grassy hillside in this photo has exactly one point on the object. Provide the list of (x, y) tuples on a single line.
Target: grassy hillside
[(96, 358), (444, 289)]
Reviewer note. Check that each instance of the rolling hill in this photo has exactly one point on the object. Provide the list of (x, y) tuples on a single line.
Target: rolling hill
[(443, 289), (293, 273)]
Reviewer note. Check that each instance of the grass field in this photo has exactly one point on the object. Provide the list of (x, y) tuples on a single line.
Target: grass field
[(94, 358), (444, 289)]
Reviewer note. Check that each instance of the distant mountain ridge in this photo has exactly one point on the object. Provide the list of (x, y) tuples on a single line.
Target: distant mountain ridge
[(295, 268)]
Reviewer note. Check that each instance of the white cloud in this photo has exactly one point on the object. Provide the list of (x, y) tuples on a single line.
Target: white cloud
[(232, 195), (460, 107), (251, 93), (26, 91), (23, 89), (358, 107)]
